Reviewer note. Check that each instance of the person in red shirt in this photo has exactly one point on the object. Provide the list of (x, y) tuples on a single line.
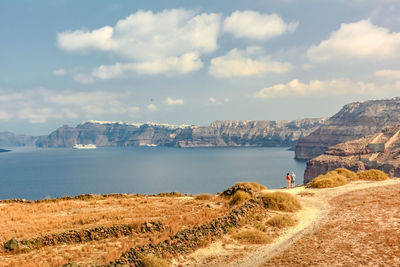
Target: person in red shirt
[(288, 180)]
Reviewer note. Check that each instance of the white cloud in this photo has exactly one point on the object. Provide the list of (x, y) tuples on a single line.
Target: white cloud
[(146, 35), (40, 105), (84, 79), (388, 74), (173, 102), (357, 40), (213, 100), (327, 87), (169, 42), (245, 63), (253, 25), (59, 72), (152, 108), (168, 66)]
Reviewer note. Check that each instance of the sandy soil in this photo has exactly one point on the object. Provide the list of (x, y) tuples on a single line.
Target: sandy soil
[(319, 210)]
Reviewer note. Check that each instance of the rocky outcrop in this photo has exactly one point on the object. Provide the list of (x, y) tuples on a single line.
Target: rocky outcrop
[(8, 139), (352, 122), (378, 151), (218, 134)]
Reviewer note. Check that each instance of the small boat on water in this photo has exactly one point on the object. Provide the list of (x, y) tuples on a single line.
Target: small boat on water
[(88, 146)]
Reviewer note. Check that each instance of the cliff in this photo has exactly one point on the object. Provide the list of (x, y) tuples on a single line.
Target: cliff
[(353, 121), (378, 151), (8, 139), (218, 134)]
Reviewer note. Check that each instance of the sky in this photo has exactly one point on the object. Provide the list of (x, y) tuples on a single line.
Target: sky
[(192, 62)]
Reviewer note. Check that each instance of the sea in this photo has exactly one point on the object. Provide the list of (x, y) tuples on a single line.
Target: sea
[(36, 173)]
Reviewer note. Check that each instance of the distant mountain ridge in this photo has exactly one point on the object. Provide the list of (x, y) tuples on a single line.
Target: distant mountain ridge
[(218, 134), (353, 121), (8, 139)]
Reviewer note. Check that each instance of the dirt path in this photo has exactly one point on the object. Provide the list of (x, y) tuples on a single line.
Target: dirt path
[(362, 229), (315, 212)]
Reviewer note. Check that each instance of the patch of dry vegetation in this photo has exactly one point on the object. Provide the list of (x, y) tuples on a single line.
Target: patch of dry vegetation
[(239, 197), (280, 201), (330, 179), (254, 186), (372, 175), (152, 261), (204, 196), (252, 237), (349, 175), (281, 221), (342, 176), (27, 220)]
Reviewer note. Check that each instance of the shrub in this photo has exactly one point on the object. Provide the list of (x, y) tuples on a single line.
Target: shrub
[(280, 201), (239, 197), (152, 261), (331, 179), (281, 221), (252, 237), (372, 175), (254, 186), (349, 175), (249, 187), (204, 196), (171, 194)]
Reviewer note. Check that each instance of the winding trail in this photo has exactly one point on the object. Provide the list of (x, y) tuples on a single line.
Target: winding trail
[(315, 212)]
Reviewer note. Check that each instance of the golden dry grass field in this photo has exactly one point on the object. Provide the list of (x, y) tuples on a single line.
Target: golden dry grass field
[(28, 220)]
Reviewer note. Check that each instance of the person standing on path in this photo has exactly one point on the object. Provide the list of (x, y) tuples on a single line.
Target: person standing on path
[(288, 180), (293, 180)]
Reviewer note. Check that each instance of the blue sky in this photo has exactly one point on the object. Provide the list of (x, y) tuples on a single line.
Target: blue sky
[(192, 62)]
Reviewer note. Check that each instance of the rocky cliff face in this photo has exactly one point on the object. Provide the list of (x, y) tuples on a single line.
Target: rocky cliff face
[(8, 139), (219, 133), (379, 151), (353, 121)]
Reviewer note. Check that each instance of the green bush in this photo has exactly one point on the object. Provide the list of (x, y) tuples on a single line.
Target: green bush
[(280, 201), (372, 175)]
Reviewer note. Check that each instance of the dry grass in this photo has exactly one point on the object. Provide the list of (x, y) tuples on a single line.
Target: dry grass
[(349, 175), (281, 221), (372, 175), (362, 230), (239, 197), (280, 201), (331, 179), (24, 221), (254, 186), (204, 196), (152, 261), (252, 237)]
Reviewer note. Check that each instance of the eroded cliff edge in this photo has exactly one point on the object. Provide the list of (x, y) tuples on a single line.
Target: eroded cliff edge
[(218, 134), (378, 151), (352, 122)]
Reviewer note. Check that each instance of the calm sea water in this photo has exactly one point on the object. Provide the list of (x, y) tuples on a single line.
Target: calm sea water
[(34, 173)]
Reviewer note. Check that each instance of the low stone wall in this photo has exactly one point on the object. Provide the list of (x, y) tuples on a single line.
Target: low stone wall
[(80, 236), (188, 240)]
